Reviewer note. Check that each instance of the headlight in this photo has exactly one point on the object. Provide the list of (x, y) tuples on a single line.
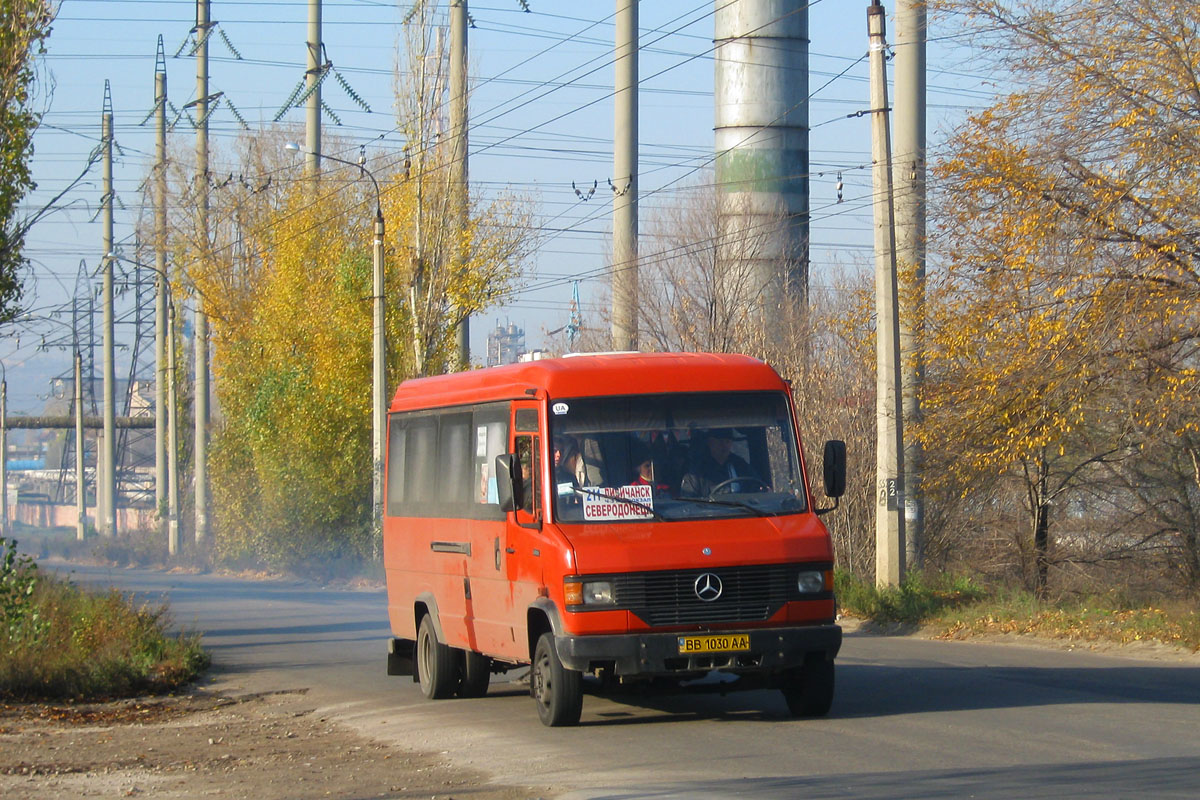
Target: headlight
[(597, 593), (588, 593), (810, 581)]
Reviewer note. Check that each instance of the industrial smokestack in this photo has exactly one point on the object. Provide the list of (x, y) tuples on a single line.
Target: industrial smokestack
[(761, 98)]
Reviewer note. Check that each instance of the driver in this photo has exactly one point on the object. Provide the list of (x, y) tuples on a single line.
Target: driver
[(718, 465)]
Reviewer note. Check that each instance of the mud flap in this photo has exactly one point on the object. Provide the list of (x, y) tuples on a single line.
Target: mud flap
[(401, 653)]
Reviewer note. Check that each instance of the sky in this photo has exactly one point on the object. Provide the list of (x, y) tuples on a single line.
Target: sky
[(540, 117)]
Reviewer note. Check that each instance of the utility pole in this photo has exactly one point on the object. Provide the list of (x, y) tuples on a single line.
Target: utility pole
[(889, 421), (160, 291), (312, 78), (379, 376), (80, 450), (203, 26), (108, 488), (625, 169), (911, 34), (416, 290), (91, 346), (458, 160), (172, 438)]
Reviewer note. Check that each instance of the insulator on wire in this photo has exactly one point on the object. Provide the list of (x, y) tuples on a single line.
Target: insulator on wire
[(840, 185), (581, 195)]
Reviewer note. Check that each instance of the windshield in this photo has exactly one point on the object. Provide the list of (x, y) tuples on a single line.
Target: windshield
[(674, 457)]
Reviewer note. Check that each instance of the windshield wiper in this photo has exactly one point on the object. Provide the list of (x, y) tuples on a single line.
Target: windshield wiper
[(731, 503), (638, 503)]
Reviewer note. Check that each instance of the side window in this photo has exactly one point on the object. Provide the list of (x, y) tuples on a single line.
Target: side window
[(395, 464), (442, 463), (454, 460), (491, 440), (527, 457), (419, 458)]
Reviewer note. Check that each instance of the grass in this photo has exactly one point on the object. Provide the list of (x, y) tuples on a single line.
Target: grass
[(59, 641), (957, 607)]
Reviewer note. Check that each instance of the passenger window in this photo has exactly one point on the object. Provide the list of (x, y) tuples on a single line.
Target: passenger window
[(491, 439), (454, 459), (395, 465), (420, 453)]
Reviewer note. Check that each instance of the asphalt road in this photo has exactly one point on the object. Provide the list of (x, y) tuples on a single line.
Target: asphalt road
[(912, 717)]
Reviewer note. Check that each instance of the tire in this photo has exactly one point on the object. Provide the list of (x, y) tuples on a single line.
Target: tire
[(557, 691), (476, 674), (810, 690), (436, 664)]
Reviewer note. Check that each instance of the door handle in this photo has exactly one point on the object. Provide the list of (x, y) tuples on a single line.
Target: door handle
[(510, 550), (497, 552)]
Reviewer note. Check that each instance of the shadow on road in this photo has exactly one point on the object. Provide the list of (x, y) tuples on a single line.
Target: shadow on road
[(1153, 777), (870, 691)]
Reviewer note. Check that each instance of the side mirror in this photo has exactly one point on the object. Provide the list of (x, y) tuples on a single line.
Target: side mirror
[(509, 486), (834, 467)]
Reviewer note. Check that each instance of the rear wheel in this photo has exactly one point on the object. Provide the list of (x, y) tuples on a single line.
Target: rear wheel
[(436, 664), (809, 692), (476, 673), (557, 691)]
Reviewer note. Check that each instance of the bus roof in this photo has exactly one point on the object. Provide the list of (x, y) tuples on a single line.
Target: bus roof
[(590, 375)]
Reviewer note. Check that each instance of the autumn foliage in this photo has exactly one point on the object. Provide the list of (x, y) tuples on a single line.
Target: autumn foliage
[(1063, 314), (286, 277)]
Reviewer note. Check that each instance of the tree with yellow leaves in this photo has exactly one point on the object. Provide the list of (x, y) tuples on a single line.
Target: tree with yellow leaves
[(452, 271), (1063, 321), (287, 283)]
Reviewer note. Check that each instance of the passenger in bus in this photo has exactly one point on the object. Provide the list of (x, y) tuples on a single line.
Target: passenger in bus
[(717, 464), (643, 465), (566, 466)]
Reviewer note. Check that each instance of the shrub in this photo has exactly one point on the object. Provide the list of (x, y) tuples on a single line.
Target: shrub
[(61, 641)]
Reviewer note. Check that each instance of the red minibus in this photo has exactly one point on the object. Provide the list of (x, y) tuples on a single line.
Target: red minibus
[(631, 516)]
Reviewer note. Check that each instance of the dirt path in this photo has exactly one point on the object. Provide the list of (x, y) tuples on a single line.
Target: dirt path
[(264, 747)]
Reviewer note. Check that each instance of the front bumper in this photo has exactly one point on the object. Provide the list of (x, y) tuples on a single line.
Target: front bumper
[(771, 650)]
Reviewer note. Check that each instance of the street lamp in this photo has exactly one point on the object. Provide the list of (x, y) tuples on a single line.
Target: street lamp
[(378, 358)]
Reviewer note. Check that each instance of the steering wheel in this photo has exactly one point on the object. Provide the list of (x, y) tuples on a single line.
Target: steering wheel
[(763, 486)]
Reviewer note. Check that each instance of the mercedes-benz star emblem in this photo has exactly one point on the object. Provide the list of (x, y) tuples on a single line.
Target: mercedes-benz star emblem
[(708, 587)]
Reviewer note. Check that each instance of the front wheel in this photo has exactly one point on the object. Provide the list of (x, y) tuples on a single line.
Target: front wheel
[(557, 691), (436, 666), (809, 692)]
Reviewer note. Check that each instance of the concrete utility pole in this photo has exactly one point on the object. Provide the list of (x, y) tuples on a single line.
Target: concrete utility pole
[(172, 438), (761, 104), (625, 169), (200, 334), (312, 119), (4, 457), (80, 450), (909, 66), (416, 290), (160, 290), (458, 159), (889, 421), (378, 371), (108, 487)]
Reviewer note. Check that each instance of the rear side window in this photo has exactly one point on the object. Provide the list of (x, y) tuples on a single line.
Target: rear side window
[(439, 463)]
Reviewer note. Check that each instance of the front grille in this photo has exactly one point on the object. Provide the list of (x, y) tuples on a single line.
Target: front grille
[(749, 594)]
